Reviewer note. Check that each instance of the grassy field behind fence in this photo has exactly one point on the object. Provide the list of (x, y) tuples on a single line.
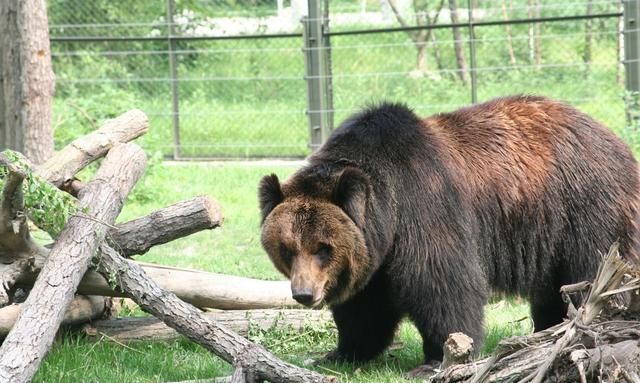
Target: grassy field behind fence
[(247, 98)]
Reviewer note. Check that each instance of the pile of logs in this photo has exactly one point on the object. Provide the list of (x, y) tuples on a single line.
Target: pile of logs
[(600, 342), (88, 260)]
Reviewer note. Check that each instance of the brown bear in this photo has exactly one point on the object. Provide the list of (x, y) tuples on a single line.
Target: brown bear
[(400, 216)]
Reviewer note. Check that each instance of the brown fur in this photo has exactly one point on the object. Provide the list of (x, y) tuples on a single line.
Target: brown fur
[(400, 216)]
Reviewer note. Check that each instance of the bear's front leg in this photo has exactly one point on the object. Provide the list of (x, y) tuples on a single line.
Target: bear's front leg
[(445, 304), (366, 323)]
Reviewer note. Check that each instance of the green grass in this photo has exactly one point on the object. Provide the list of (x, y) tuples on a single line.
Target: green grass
[(233, 248), (264, 116)]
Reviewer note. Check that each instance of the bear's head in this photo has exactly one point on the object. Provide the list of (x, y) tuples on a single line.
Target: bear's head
[(312, 229)]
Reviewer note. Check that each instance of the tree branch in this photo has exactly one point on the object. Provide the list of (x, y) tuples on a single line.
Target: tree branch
[(165, 225), (43, 311), (190, 322), (63, 166)]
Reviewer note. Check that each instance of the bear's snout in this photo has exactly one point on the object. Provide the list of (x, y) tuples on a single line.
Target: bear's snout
[(303, 295), (307, 281)]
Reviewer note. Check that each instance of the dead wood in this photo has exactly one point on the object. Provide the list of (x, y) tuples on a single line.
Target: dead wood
[(202, 289), (133, 329), (256, 362), (99, 204), (165, 225), (595, 344), (63, 166), (82, 309), (457, 349), (199, 288)]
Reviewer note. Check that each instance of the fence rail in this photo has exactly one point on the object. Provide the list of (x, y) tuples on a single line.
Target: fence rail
[(259, 93)]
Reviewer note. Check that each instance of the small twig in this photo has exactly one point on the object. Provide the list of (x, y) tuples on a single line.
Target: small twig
[(120, 343), (583, 377), (329, 370), (84, 113), (575, 287), (93, 219), (630, 377), (524, 318)]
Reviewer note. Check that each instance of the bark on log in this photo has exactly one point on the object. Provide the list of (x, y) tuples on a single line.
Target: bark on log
[(100, 203), (81, 310), (165, 225), (63, 166), (133, 329), (201, 289), (189, 321)]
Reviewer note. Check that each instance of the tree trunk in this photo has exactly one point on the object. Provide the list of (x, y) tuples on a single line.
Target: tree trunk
[(43, 311), (588, 37), (507, 28), (537, 48), (457, 44), (436, 51), (28, 78), (620, 46), (134, 329), (530, 34), (422, 37)]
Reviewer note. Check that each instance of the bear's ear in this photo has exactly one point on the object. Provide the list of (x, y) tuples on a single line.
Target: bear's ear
[(350, 193), (269, 195)]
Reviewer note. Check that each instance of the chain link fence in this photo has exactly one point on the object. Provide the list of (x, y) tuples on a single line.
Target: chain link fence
[(227, 78)]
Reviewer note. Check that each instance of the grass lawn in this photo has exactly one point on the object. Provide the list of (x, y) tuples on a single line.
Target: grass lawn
[(235, 249)]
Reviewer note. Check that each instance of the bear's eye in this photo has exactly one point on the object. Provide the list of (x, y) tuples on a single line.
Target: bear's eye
[(286, 254), (323, 254)]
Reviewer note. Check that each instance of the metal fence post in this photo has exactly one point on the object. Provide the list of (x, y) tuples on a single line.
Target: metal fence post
[(4, 143), (472, 55), (173, 69), (317, 55), (632, 66)]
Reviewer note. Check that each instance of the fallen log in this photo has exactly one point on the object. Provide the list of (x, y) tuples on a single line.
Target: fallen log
[(82, 309), (252, 362), (100, 202), (133, 329), (202, 289), (61, 168), (165, 225)]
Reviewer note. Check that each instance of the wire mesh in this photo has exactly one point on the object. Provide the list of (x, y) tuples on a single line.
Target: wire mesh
[(246, 97)]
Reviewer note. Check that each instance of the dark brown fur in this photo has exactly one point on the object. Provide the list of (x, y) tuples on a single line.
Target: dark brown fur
[(399, 216)]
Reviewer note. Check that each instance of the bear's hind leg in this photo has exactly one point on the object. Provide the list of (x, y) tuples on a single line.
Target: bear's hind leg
[(366, 323), (547, 310)]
